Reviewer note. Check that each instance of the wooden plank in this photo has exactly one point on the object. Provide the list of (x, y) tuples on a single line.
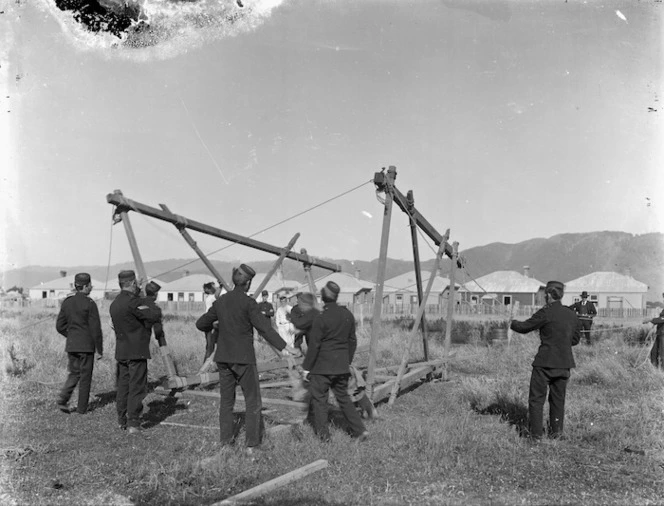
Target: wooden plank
[(383, 391), (239, 397), (271, 485), (188, 425)]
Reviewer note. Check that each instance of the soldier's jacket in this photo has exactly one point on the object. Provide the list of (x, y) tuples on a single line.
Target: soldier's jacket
[(78, 320), (130, 315), (559, 330), (332, 341), (156, 326), (238, 315)]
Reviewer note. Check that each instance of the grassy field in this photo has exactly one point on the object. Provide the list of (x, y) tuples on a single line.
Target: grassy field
[(444, 442)]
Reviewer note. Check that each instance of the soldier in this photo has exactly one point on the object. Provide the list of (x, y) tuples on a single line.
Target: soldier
[(79, 322), (559, 330), (265, 307), (238, 315), (302, 317), (657, 351), (586, 311), (132, 319), (332, 344), (150, 300), (210, 337)]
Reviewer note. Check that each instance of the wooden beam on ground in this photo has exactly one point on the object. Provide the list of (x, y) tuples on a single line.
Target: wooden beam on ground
[(188, 425), (383, 392), (269, 486), (240, 397)]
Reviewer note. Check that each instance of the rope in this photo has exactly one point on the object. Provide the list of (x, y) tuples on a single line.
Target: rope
[(268, 228)]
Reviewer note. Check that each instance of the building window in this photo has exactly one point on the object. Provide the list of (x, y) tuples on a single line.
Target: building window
[(191, 297), (593, 298), (44, 295), (413, 300), (398, 299), (507, 300), (473, 299), (180, 296), (169, 296)]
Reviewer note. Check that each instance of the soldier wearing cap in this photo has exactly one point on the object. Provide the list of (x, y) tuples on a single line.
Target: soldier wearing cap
[(332, 344), (302, 317), (586, 311), (265, 307), (78, 320), (657, 351), (238, 315), (132, 320), (559, 330)]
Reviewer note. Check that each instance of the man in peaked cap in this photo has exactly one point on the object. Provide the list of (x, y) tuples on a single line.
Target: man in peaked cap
[(657, 351), (78, 320), (132, 320), (586, 311), (303, 315), (559, 330), (332, 344), (265, 307), (238, 315)]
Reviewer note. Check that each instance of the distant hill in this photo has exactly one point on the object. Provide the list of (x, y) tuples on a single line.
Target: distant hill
[(563, 257)]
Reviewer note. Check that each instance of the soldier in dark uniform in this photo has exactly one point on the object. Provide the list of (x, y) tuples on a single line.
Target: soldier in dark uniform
[(332, 344), (132, 319), (559, 330), (302, 317), (238, 315), (586, 311), (79, 322), (657, 351), (150, 300), (265, 307)]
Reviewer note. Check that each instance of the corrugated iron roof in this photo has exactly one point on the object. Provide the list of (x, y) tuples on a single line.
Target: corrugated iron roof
[(195, 282), (504, 282), (64, 284), (605, 281), (407, 283)]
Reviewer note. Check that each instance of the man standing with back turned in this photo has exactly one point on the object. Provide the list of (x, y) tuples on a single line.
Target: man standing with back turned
[(559, 330), (79, 322), (332, 345), (132, 321), (238, 315)]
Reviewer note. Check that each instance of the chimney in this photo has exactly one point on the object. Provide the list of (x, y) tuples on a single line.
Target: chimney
[(526, 271), (63, 274), (185, 274), (357, 273)]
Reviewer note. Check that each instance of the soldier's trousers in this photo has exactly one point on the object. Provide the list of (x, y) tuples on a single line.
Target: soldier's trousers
[(245, 375), (319, 387), (132, 387), (657, 352), (80, 368), (210, 343), (555, 380)]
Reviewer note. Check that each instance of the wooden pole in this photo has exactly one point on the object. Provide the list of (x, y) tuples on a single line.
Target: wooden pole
[(418, 271), (451, 302), (277, 263), (190, 240), (309, 277), (166, 356), (414, 330), (125, 204), (386, 184), (269, 486)]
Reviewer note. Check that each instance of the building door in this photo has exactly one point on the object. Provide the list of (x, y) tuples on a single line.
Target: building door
[(614, 302)]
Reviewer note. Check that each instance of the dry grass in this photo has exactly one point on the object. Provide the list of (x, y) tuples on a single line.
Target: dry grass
[(454, 442)]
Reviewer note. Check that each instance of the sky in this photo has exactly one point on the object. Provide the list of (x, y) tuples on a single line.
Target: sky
[(508, 121)]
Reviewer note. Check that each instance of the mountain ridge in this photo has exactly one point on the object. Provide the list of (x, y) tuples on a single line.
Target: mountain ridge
[(563, 257)]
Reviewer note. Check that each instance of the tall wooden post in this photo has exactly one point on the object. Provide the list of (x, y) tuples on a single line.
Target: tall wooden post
[(385, 182), (309, 276), (451, 302), (169, 363), (413, 332), (180, 225), (418, 271)]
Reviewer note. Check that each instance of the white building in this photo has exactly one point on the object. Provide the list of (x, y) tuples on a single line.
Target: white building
[(60, 287), (185, 289), (609, 290), (402, 290)]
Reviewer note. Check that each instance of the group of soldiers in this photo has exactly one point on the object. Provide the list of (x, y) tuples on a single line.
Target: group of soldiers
[(331, 342), (231, 319)]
